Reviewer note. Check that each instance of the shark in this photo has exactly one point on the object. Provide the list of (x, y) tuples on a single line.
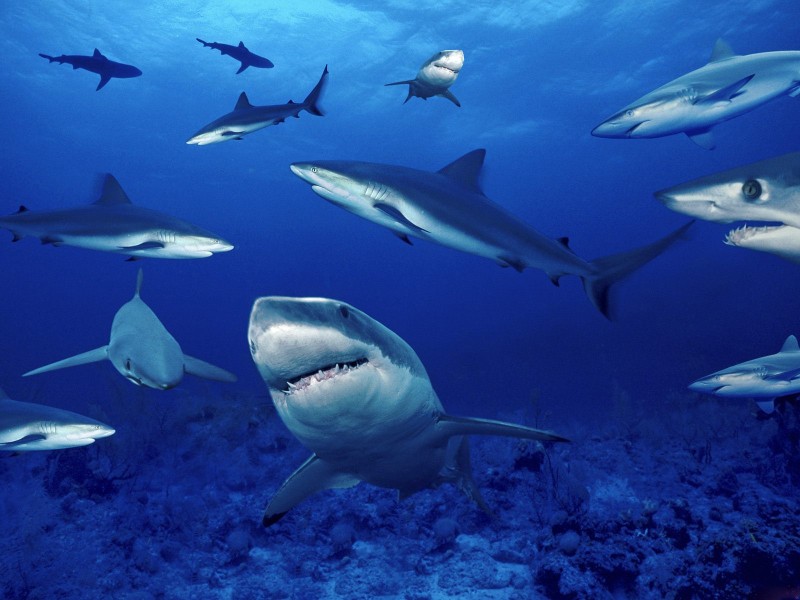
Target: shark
[(358, 397), (96, 63), (143, 351), (246, 118), (729, 85), (25, 426), (766, 191), (114, 224), (449, 208), (764, 379), (435, 77), (240, 53)]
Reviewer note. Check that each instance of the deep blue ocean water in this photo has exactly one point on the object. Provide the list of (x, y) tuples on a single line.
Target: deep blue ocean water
[(538, 76)]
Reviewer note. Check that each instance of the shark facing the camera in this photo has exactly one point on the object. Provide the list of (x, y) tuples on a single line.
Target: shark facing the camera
[(435, 77), (25, 426), (240, 53), (766, 191), (356, 395), (143, 351), (96, 63), (246, 118), (449, 208), (114, 224), (728, 86), (764, 379)]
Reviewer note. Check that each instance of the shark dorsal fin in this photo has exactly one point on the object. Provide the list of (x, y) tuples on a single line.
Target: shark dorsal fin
[(112, 194), (22, 209), (97, 54), (241, 44), (139, 279), (721, 51), (790, 345), (242, 102), (467, 169)]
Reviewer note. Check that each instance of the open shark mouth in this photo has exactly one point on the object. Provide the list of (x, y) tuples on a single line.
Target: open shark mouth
[(453, 71), (302, 382), (741, 234)]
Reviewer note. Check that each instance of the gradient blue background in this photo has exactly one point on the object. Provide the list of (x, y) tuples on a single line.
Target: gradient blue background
[(538, 77)]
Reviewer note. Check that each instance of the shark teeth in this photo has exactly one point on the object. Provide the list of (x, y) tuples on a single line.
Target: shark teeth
[(744, 233), (302, 382)]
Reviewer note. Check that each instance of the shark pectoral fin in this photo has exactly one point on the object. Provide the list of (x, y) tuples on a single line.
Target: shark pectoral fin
[(142, 246), (50, 239), (508, 261), (91, 356), (449, 95), (313, 476), (402, 236), (200, 368), (104, 79), (450, 426), (398, 216), (727, 93), (459, 471), (34, 437), (703, 138), (406, 82), (242, 67), (785, 375), (767, 406)]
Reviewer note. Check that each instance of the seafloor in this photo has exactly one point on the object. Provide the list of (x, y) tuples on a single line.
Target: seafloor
[(698, 499)]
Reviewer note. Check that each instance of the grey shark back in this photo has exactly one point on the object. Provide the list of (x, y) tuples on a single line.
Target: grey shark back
[(247, 118), (97, 63), (728, 86), (448, 207), (25, 426), (114, 224), (358, 396), (435, 77)]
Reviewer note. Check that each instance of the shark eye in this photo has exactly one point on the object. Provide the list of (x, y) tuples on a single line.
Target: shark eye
[(313, 169), (751, 189), (629, 112), (344, 311)]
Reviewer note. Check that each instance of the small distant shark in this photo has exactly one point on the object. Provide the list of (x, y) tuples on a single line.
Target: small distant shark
[(113, 224), (25, 426), (143, 351), (240, 53), (764, 379), (448, 207), (728, 86), (96, 63), (356, 395), (247, 118), (767, 191), (436, 76)]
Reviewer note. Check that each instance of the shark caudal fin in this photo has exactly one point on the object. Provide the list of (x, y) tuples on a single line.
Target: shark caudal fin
[(310, 103), (615, 268), (91, 356), (48, 57)]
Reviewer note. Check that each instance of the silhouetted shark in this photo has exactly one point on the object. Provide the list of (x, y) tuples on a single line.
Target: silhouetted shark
[(240, 53), (96, 63)]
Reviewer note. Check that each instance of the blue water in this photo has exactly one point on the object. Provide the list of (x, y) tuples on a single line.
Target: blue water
[(537, 78)]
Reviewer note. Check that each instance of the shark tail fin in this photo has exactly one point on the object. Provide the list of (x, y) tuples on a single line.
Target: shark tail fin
[(615, 268), (200, 368), (205, 43), (48, 57), (310, 103), (91, 356)]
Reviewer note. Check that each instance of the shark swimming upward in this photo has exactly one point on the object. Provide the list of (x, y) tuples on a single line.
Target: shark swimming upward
[(436, 76), (448, 207), (114, 224), (357, 396), (767, 191), (728, 86), (246, 118), (240, 53), (96, 63), (764, 378), (25, 426), (143, 351)]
